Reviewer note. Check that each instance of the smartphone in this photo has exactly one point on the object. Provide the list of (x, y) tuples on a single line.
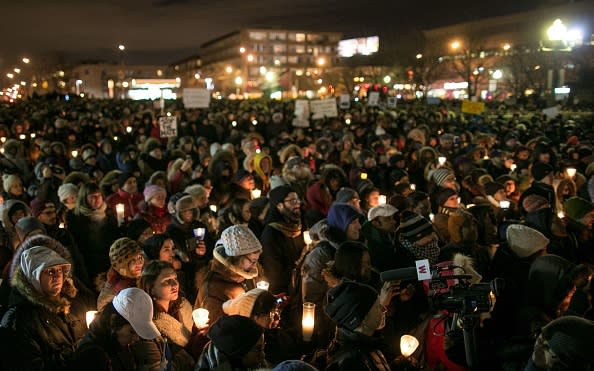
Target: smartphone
[(199, 233)]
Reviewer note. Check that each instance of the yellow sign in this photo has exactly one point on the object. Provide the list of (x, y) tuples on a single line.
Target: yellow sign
[(474, 108)]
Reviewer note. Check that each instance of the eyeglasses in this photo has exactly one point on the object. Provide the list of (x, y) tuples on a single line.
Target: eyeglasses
[(252, 261), (54, 272), (137, 260), (293, 201)]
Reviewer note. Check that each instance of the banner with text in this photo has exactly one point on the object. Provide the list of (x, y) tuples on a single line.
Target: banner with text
[(196, 98)]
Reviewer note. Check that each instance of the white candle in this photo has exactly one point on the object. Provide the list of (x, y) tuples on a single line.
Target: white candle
[(128, 129), (263, 285), (22, 136), (33, 135), (3, 139), (307, 238), (200, 317), (307, 321), (431, 216), (120, 213), (256, 193), (513, 167), (408, 345), (61, 225), (442, 160), (363, 176), (381, 200), (486, 157), (213, 208), (74, 153), (413, 187), (90, 317), (571, 172), (504, 204), (561, 214)]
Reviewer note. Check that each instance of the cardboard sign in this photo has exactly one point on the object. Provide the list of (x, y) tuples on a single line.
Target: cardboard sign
[(423, 269), (168, 126), (301, 119), (473, 108), (323, 108), (345, 101), (373, 99), (551, 112), (392, 102), (196, 98)]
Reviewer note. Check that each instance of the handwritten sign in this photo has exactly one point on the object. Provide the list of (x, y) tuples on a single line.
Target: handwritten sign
[(196, 98), (373, 99), (168, 126), (345, 101), (392, 102), (323, 108), (473, 108), (301, 119)]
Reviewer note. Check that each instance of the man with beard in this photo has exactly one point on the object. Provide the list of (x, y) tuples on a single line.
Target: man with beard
[(282, 239)]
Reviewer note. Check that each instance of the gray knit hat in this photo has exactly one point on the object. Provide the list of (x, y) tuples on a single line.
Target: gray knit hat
[(525, 241), (238, 240), (66, 190)]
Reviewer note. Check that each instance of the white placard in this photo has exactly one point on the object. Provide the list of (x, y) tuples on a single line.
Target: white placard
[(392, 102), (323, 108), (373, 99), (345, 101), (301, 119), (423, 269), (196, 98), (551, 112), (168, 126)]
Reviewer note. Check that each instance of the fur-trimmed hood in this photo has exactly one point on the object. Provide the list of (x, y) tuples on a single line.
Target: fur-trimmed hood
[(19, 280), (233, 272), (179, 332), (8, 205), (218, 158)]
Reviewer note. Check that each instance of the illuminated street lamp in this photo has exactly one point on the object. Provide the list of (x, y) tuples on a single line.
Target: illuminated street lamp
[(455, 45), (506, 46), (242, 50), (250, 58), (321, 61), (387, 79), (238, 82)]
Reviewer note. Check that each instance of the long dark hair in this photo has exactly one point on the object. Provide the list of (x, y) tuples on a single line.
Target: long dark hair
[(147, 281)]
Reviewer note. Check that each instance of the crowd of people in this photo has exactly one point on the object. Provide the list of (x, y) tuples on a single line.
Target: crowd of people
[(249, 217)]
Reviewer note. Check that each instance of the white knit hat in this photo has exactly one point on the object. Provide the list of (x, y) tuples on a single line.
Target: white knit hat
[(238, 240), (525, 241), (66, 190), (243, 304)]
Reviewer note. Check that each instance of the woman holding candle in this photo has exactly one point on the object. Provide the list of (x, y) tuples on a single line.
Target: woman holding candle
[(233, 271), (172, 314), (127, 194), (154, 208)]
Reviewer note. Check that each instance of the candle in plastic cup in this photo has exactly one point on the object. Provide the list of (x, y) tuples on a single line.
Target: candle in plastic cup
[(431, 216), (513, 167), (363, 176), (128, 129), (442, 160), (3, 139), (62, 226), (408, 345), (571, 172), (200, 317), (256, 193), (120, 213), (504, 204), (307, 238), (307, 321), (381, 200), (263, 285), (413, 187), (74, 153), (90, 317), (561, 215), (213, 208)]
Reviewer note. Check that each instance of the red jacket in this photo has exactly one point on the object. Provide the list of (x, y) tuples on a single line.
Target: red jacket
[(131, 202)]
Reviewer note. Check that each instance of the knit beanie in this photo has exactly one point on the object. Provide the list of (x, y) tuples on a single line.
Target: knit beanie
[(570, 338), (152, 190), (525, 241), (576, 208), (27, 225), (38, 206), (235, 335), (243, 304), (121, 252), (413, 226), (444, 195), (342, 215), (38, 258), (8, 180), (123, 177), (349, 303), (278, 194), (438, 176), (346, 195), (541, 170), (238, 240), (66, 190), (277, 181), (294, 365), (533, 203), (493, 187)]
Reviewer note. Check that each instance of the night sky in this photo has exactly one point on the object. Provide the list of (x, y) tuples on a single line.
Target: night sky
[(163, 31)]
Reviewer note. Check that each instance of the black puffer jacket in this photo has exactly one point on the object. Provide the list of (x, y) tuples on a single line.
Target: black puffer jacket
[(355, 351)]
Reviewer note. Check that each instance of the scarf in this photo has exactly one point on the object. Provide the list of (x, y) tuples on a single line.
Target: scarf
[(96, 215), (429, 250), (289, 230)]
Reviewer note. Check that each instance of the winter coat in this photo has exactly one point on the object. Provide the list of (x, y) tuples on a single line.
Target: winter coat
[(131, 202), (159, 219), (355, 351), (39, 333), (280, 253), (540, 189), (213, 359), (101, 352), (221, 281), (382, 248)]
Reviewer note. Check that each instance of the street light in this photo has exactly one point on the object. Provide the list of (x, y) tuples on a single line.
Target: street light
[(497, 74), (387, 79), (26, 60), (321, 61), (506, 46), (455, 45)]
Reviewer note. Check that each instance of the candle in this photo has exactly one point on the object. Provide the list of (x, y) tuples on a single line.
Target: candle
[(263, 285), (363, 176), (381, 200), (120, 213), (90, 317), (3, 139), (408, 345), (561, 214), (74, 153), (307, 322), (486, 157), (431, 216), (513, 167), (571, 172), (504, 204), (307, 238), (441, 160), (200, 317), (61, 225), (22, 136), (413, 187), (128, 129), (33, 135), (256, 193), (213, 208)]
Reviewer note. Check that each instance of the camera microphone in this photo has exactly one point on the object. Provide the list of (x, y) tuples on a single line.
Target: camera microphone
[(401, 274)]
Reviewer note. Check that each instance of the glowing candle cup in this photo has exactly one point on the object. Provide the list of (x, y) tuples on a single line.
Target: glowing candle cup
[(363, 176), (561, 215), (120, 213), (513, 167), (307, 238), (308, 321), (571, 172), (256, 193), (74, 153), (213, 208), (441, 160), (408, 345), (200, 317), (413, 187), (90, 316), (263, 285), (504, 204), (381, 200)]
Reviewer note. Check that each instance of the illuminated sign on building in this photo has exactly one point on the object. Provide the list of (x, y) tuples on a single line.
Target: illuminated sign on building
[(362, 46)]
